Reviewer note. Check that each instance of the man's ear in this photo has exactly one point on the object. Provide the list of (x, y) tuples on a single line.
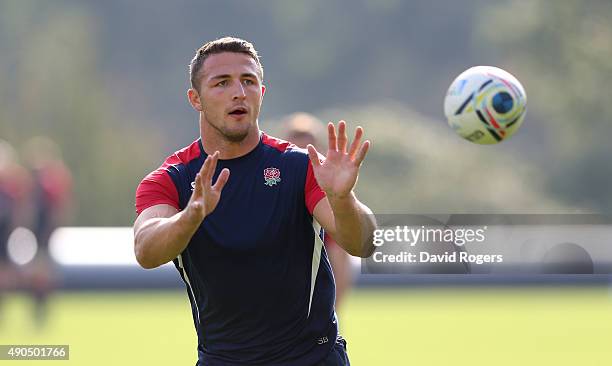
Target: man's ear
[(263, 90), (194, 99)]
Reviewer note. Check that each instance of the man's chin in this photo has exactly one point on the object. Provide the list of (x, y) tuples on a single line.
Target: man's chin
[(232, 133), (236, 137)]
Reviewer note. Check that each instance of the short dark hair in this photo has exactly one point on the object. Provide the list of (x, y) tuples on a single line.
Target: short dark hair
[(225, 44)]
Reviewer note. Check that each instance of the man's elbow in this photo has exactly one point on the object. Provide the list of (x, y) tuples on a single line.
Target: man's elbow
[(142, 257), (143, 261), (367, 246), (365, 251)]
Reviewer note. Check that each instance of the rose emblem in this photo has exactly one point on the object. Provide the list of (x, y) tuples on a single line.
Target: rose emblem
[(271, 176)]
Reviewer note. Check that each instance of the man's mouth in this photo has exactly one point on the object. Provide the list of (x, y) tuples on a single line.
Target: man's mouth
[(238, 111)]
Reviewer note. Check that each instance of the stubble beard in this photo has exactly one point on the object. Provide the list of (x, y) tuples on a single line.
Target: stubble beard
[(230, 136)]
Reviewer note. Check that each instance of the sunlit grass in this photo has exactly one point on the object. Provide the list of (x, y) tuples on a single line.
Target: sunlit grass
[(483, 326)]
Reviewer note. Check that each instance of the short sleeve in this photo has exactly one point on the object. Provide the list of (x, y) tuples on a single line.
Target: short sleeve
[(312, 192), (155, 189)]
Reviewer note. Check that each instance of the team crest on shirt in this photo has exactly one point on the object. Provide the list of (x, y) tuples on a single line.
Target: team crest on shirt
[(271, 176)]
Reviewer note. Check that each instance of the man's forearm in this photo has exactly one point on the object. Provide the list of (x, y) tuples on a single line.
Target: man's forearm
[(160, 240), (355, 225)]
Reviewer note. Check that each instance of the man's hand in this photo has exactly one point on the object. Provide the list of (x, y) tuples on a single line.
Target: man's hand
[(205, 196), (161, 232), (337, 174), (348, 221)]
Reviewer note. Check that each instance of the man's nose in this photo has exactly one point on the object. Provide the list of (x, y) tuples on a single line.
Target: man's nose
[(238, 91)]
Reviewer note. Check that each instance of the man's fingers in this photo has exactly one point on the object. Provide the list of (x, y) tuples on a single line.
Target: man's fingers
[(204, 167), (210, 169), (197, 187), (313, 155), (332, 141), (221, 180), (196, 197), (356, 142), (363, 150), (203, 181), (342, 139)]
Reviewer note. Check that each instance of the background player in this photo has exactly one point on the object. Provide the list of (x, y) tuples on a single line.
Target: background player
[(304, 129), (50, 206), (14, 189)]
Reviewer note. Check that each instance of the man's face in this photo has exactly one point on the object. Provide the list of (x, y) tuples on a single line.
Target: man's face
[(302, 139), (230, 94)]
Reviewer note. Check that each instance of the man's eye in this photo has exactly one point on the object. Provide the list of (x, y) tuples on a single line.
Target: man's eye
[(221, 83), (248, 82)]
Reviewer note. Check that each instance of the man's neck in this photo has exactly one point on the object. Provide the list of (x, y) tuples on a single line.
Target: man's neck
[(211, 142)]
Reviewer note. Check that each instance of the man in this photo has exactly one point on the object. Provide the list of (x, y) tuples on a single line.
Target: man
[(303, 129), (11, 189), (51, 203), (248, 246), (15, 186)]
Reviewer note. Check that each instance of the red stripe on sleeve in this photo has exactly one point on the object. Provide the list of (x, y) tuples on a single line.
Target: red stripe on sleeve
[(155, 189), (312, 192), (158, 188), (278, 144)]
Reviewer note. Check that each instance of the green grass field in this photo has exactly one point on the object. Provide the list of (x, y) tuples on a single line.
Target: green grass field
[(483, 326)]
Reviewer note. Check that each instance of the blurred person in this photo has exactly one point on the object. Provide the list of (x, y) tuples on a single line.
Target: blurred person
[(7, 208), (51, 199), (304, 129), (14, 185), (567, 258), (248, 247)]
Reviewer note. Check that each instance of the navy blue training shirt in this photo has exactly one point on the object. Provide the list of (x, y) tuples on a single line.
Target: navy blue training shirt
[(258, 278)]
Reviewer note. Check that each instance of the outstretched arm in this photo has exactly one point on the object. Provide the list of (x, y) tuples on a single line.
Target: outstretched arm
[(347, 220), (161, 232)]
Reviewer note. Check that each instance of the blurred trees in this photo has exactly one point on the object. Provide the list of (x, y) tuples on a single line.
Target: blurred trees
[(50, 85), (418, 165), (107, 81), (562, 51), (316, 54)]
